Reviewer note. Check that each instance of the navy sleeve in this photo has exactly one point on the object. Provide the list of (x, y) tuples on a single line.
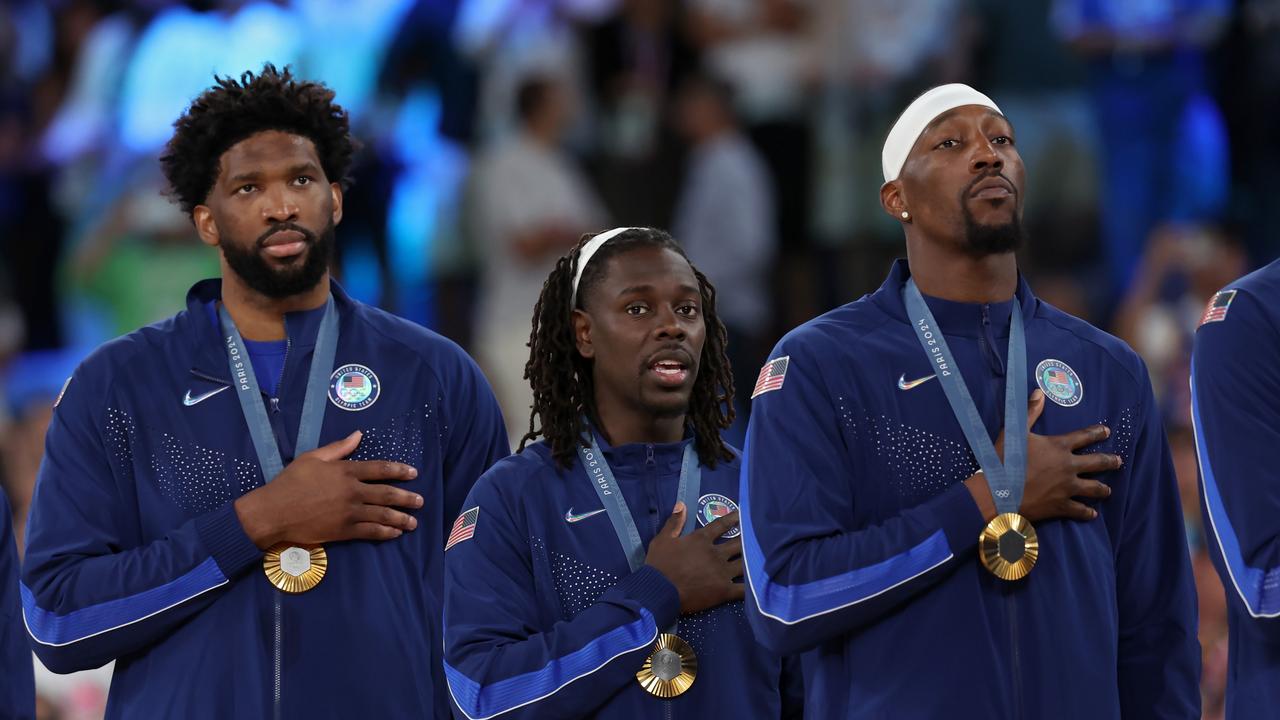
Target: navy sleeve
[(812, 573), (476, 434), (18, 687), (1235, 394), (504, 657), (1159, 651), (91, 591)]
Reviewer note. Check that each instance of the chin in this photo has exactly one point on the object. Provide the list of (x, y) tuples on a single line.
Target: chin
[(667, 407)]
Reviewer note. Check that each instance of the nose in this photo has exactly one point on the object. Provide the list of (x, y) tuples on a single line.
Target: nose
[(669, 326), (985, 159), (278, 207)]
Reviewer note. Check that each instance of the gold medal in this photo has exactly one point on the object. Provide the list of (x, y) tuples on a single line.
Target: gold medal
[(670, 669), (1008, 546), (293, 568)]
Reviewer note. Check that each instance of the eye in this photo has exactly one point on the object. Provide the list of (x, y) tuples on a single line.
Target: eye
[(688, 310), (246, 189), (303, 180), (637, 310), (947, 144), (1002, 140)]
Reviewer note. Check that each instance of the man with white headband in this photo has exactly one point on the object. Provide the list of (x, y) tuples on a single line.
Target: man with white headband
[(597, 572), (937, 538)]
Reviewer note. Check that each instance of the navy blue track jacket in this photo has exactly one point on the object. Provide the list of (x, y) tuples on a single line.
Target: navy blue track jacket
[(860, 536), (17, 677), (135, 552), (544, 618), (1235, 397)]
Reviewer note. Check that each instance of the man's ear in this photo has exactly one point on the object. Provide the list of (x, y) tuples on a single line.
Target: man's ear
[(202, 217), (893, 201), (336, 190), (582, 334)]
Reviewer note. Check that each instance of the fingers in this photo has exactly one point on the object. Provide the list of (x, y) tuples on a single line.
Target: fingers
[(730, 549), (388, 496), (734, 568), (1074, 510), (720, 526), (383, 515), (373, 531), (1096, 463), (736, 591), (1092, 489), (675, 523), (1085, 437), (338, 449), (1035, 406), (381, 470)]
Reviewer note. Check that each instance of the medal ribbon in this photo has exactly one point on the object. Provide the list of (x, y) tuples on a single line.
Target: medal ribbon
[(610, 494), (1006, 479), (246, 386)]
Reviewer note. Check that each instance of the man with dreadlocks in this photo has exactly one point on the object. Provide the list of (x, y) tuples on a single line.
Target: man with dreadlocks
[(239, 554), (597, 574)]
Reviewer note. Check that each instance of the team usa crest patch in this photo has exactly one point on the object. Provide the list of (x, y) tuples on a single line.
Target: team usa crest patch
[(353, 387), (712, 507), (1216, 309), (771, 376), (1059, 382)]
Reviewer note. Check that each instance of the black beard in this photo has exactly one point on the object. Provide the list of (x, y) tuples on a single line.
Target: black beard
[(256, 272), (983, 240)]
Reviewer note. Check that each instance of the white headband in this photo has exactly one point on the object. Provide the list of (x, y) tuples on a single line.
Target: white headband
[(584, 256), (917, 117)]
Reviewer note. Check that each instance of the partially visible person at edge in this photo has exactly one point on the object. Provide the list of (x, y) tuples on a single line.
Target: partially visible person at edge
[(869, 477), (596, 573), (18, 688), (1233, 395), (245, 506)]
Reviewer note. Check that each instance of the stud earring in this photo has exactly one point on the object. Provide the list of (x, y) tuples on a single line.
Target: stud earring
[(906, 215)]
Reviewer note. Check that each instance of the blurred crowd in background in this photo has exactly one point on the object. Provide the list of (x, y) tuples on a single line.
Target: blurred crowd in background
[(496, 132)]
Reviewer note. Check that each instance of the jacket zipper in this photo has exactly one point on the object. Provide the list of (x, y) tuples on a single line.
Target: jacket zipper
[(1012, 606), (668, 712), (277, 659)]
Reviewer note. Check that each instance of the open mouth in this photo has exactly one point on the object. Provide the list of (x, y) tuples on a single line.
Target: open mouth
[(672, 373)]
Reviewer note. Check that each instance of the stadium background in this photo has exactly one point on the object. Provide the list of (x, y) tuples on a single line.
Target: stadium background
[(1146, 128)]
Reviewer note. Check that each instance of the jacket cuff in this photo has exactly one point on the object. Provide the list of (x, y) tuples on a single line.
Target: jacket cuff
[(654, 591), (957, 513), (224, 538)]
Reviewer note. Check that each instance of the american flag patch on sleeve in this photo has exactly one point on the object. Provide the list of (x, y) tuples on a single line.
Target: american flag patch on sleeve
[(464, 527), (1216, 310), (771, 376)]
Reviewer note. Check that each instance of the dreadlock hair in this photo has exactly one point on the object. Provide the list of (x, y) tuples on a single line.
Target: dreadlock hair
[(563, 386), (231, 111)]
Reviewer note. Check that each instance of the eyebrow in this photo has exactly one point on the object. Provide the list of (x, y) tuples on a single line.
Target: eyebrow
[(303, 167)]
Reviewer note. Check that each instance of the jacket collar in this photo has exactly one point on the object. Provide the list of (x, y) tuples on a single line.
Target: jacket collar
[(962, 319), (210, 359)]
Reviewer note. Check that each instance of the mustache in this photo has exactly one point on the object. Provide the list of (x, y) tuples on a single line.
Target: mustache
[(968, 189), (262, 239)]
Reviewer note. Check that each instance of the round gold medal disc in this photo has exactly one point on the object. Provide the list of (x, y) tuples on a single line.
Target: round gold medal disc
[(293, 568), (1009, 547), (670, 669)]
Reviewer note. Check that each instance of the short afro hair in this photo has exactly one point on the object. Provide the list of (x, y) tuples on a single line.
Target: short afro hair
[(232, 110)]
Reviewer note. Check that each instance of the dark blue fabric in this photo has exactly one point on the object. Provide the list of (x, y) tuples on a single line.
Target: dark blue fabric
[(860, 535), (545, 618), (135, 552), (1235, 395), (17, 679), (267, 357)]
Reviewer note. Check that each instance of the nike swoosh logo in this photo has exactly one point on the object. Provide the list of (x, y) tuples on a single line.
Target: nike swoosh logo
[(189, 400), (571, 518), (904, 384)]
